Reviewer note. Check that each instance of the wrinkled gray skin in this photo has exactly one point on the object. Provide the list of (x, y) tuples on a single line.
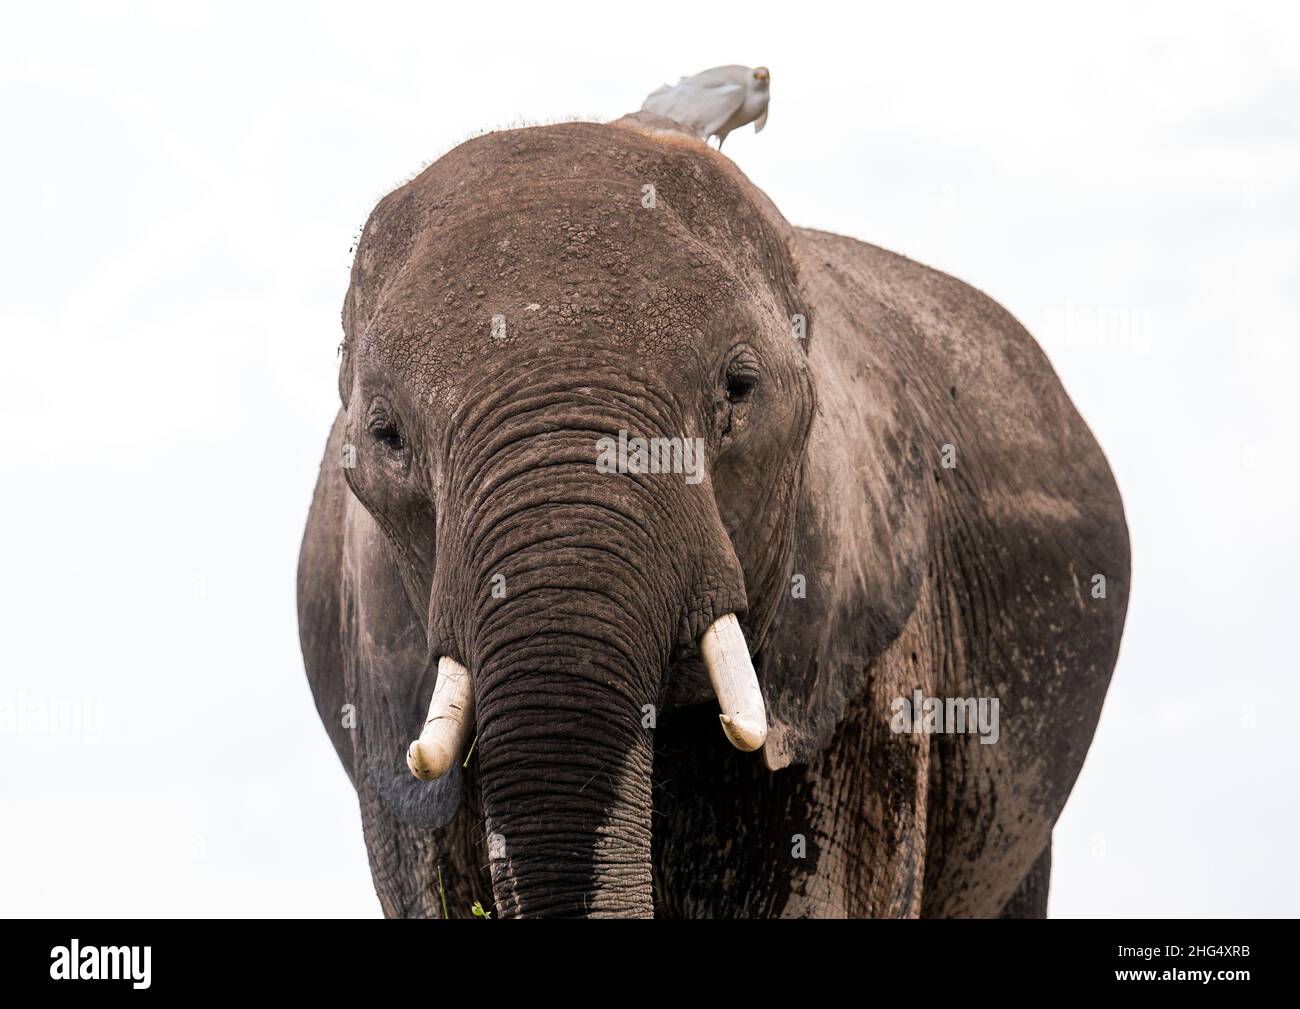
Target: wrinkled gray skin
[(475, 458)]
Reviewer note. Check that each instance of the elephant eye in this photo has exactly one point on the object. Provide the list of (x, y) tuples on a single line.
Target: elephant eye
[(742, 379), (388, 436), (383, 428)]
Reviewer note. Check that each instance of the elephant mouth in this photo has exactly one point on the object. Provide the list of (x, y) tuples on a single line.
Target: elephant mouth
[(415, 802), (421, 795), (446, 733), (433, 802)]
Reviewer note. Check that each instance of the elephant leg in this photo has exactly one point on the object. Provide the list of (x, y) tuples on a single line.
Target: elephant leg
[(1030, 898)]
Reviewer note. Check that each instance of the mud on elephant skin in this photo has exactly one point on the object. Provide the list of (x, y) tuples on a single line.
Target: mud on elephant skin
[(896, 495)]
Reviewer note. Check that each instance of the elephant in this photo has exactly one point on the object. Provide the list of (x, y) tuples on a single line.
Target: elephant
[(893, 511)]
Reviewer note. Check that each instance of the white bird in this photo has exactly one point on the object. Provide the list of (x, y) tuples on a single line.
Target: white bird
[(715, 102)]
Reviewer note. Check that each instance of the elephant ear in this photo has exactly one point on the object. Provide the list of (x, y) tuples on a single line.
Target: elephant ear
[(319, 571), (364, 650), (388, 675), (859, 542)]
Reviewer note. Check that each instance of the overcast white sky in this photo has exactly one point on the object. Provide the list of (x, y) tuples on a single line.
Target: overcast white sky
[(179, 191)]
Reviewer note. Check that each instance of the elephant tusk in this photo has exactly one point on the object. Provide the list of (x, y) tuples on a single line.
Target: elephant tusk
[(726, 656), (446, 730)]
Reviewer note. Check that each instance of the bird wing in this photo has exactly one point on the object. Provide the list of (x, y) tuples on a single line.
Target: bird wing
[(703, 108), (718, 76)]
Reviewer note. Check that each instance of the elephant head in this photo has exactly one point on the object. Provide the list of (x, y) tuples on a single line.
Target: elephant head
[(598, 454)]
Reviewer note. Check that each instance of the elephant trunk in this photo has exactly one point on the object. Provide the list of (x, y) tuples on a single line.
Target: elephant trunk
[(565, 770), (562, 590), (568, 654)]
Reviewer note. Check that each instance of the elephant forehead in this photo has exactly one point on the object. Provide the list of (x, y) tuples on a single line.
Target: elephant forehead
[(537, 278), (594, 235), (442, 330)]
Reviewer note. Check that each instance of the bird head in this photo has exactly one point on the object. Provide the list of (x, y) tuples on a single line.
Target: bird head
[(761, 76)]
